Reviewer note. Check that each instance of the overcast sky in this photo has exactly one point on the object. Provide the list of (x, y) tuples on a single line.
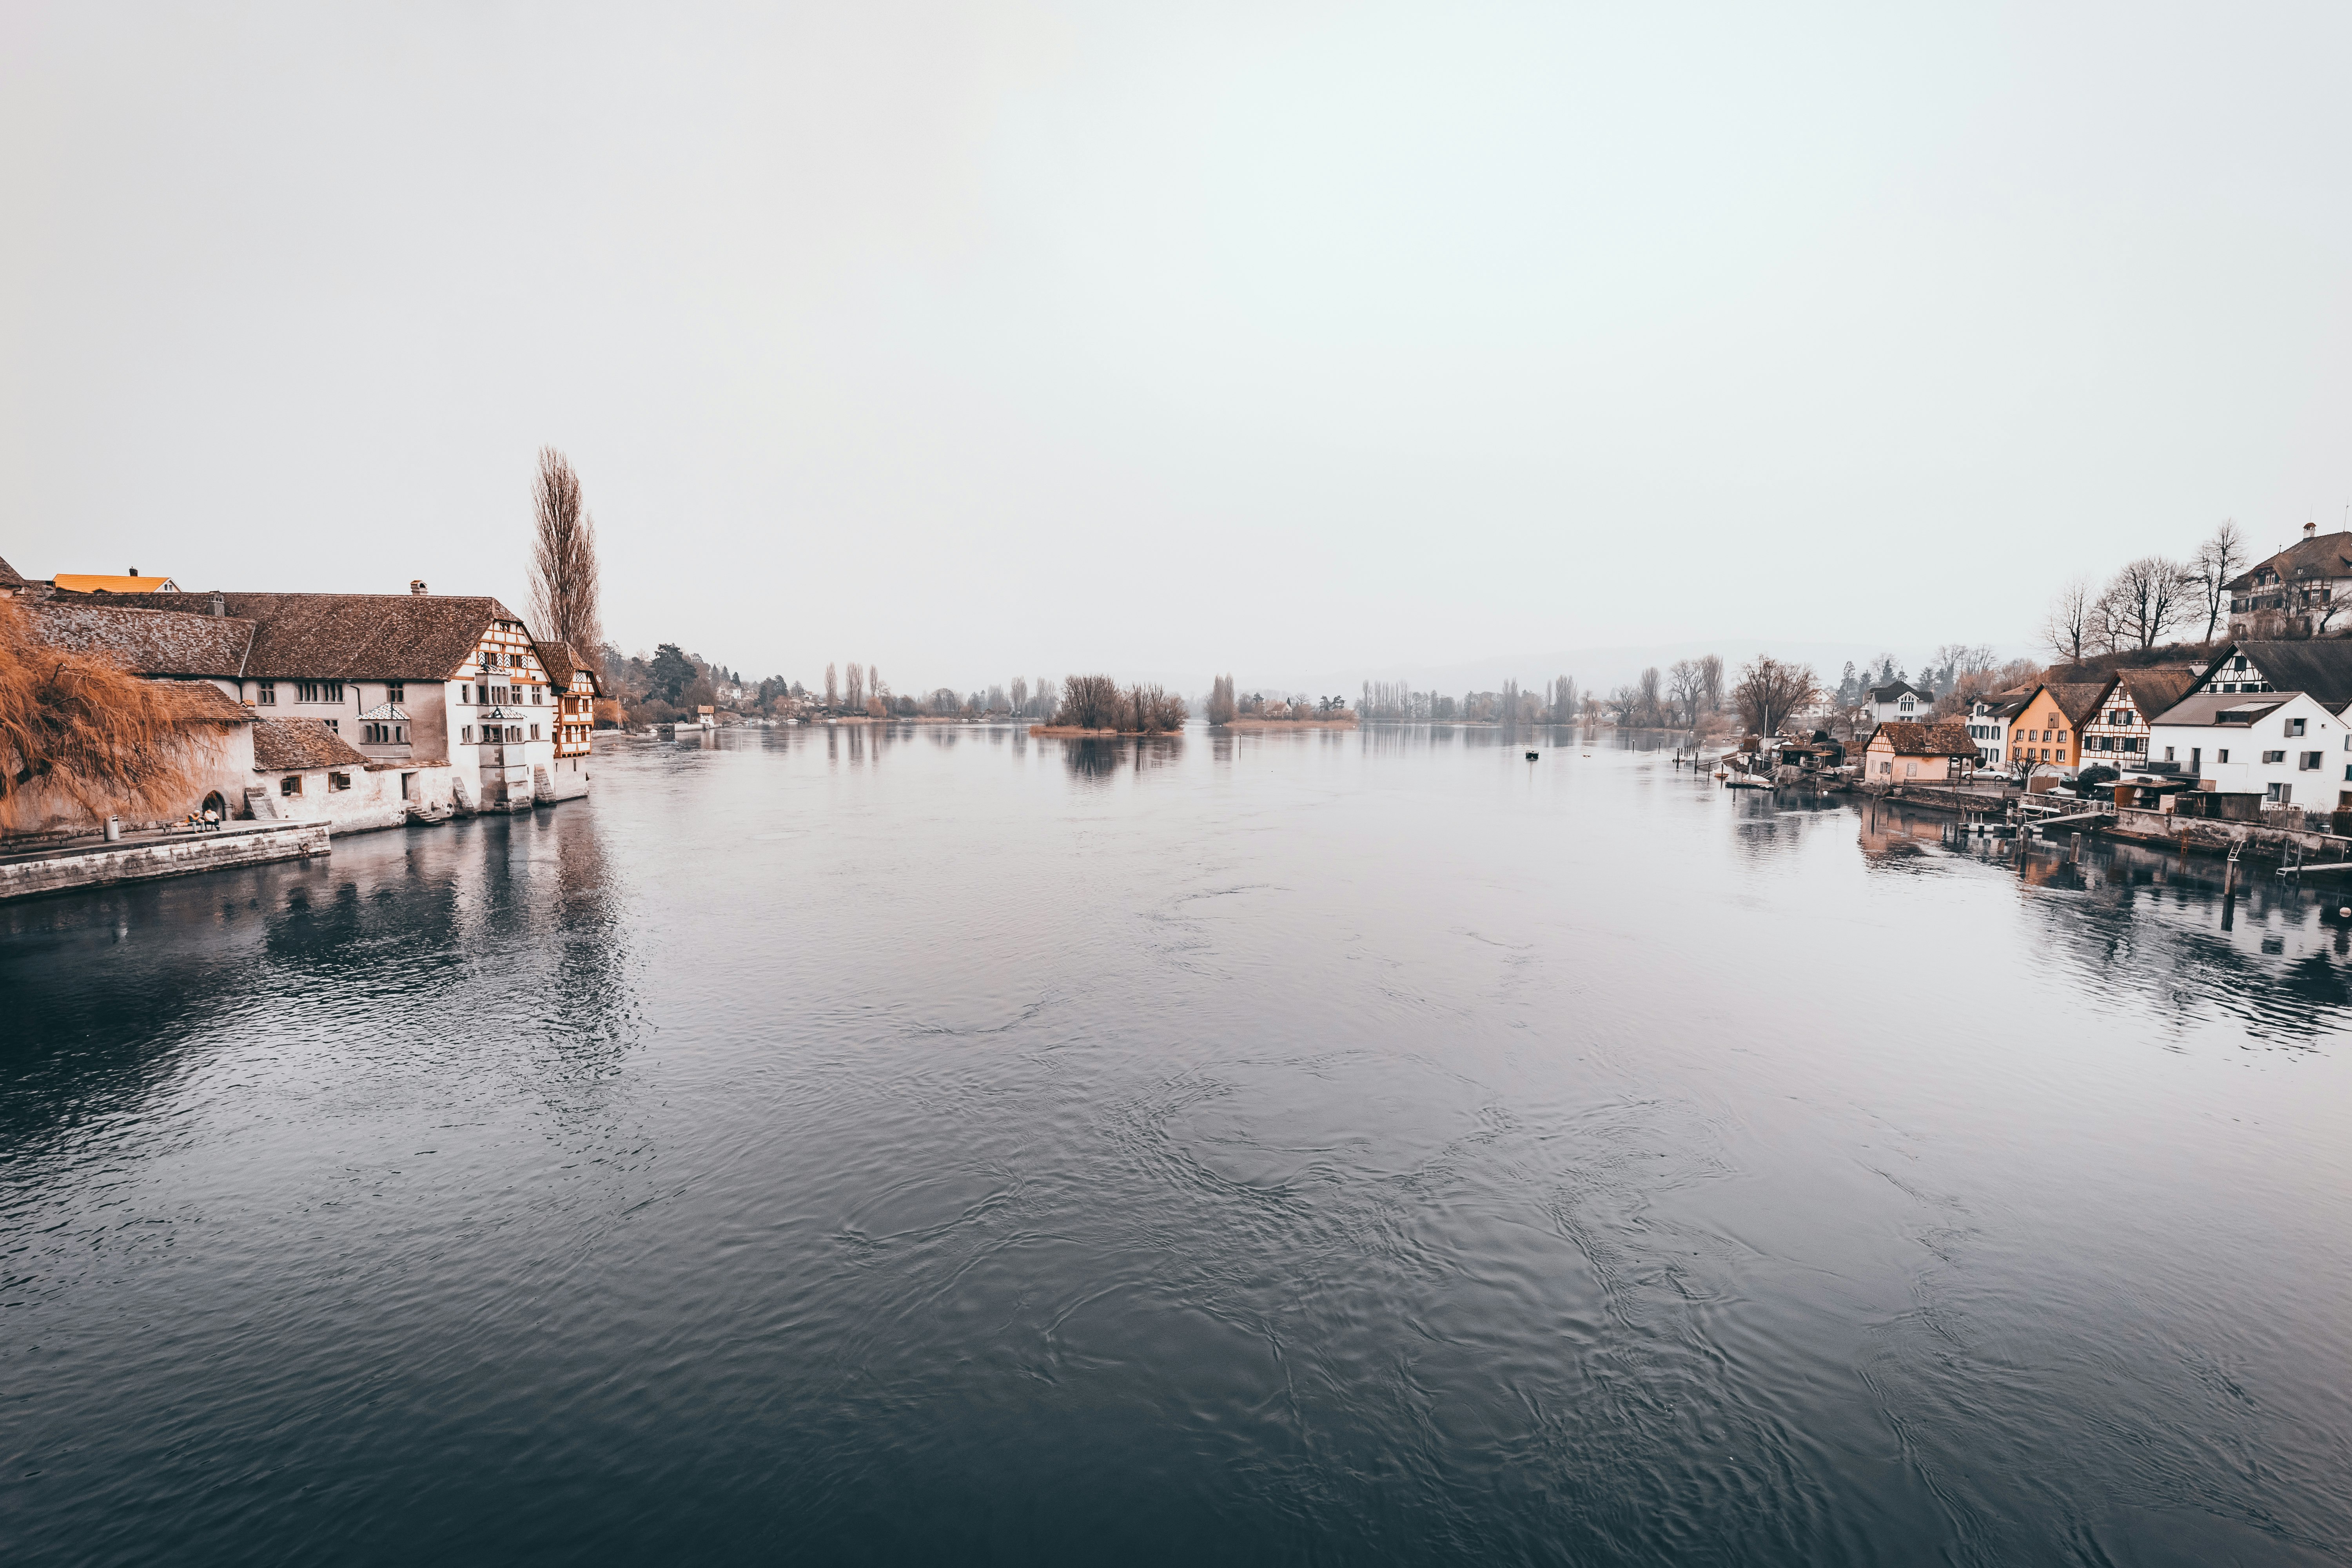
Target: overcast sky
[(1172, 339)]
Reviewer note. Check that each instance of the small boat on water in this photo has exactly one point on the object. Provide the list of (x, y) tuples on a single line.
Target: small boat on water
[(1746, 780)]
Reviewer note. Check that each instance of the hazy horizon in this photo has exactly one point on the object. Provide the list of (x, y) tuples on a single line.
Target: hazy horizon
[(1282, 341)]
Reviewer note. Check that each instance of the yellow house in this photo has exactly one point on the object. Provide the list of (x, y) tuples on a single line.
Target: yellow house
[(1901, 754), (2049, 728), (99, 582)]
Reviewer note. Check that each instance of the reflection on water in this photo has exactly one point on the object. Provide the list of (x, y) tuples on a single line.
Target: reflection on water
[(926, 1142)]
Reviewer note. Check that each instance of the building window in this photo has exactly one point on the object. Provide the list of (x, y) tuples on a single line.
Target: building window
[(466, 735), (2274, 756), (265, 693), (2280, 794), (2308, 762), (395, 692), (2294, 726), (534, 732), (290, 785), (2221, 756), (339, 781), (2168, 754)]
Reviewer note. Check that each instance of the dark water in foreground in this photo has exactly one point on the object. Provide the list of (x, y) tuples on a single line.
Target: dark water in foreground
[(1338, 1148)]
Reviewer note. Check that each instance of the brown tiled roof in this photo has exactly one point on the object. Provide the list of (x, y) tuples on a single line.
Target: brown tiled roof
[(2079, 699), (1945, 739), (290, 745), (353, 636), (2157, 687), (560, 664), (146, 641), (202, 702), (8, 578)]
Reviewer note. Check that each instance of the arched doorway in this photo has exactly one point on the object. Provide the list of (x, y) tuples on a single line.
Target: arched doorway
[(218, 806)]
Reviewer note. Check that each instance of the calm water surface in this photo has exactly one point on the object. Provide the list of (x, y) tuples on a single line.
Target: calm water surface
[(948, 1145)]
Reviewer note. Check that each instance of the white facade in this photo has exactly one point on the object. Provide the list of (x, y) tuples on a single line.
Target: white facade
[(1901, 703), (2285, 746)]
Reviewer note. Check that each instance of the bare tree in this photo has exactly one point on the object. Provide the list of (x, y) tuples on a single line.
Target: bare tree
[(1020, 695), (2218, 562), (2071, 625), (1769, 690), (1686, 683), (832, 688), (853, 689), (563, 582), (1089, 702), (73, 728), (1710, 678), (2146, 600)]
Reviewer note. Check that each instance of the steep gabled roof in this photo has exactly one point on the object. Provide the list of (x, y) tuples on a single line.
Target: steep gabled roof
[(1895, 691), (2080, 700), (2325, 555), (561, 664), (1946, 740), (8, 578), (354, 636), (146, 641), (2322, 667), (291, 745), (2006, 705), (2157, 687)]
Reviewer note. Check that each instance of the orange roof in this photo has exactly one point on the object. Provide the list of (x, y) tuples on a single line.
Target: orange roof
[(85, 582)]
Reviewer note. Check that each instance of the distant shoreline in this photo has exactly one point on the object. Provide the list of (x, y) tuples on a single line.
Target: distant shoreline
[(1344, 721)]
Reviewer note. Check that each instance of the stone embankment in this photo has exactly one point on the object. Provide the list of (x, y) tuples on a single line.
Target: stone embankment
[(2212, 836), (146, 857), (1944, 797)]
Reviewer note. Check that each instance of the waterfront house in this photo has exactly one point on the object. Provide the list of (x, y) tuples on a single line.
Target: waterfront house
[(1900, 753), (2287, 746), (448, 687), (2049, 728), (2117, 733), (1988, 723), (306, 772), (2300, 589), (577, 689), (1900, 703)]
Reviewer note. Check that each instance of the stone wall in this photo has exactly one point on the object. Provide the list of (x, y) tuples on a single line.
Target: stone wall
[(143, 860), (2217, 838)]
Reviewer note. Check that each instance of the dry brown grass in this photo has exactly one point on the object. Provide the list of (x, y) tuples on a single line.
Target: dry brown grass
[(74, 723)]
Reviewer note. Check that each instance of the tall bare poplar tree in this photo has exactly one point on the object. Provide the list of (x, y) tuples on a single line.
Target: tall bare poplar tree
[(563, 585)]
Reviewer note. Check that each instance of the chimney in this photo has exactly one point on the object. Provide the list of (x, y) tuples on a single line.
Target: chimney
[(134, 571), (220, 606), (2310, 530), (417, 585)]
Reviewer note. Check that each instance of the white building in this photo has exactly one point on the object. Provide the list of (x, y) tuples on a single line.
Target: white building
[(1899, 703), (2286, 746), (1989, 722), (448, 692)]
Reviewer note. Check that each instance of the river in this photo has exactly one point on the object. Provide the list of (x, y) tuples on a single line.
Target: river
[(940, 1144)]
